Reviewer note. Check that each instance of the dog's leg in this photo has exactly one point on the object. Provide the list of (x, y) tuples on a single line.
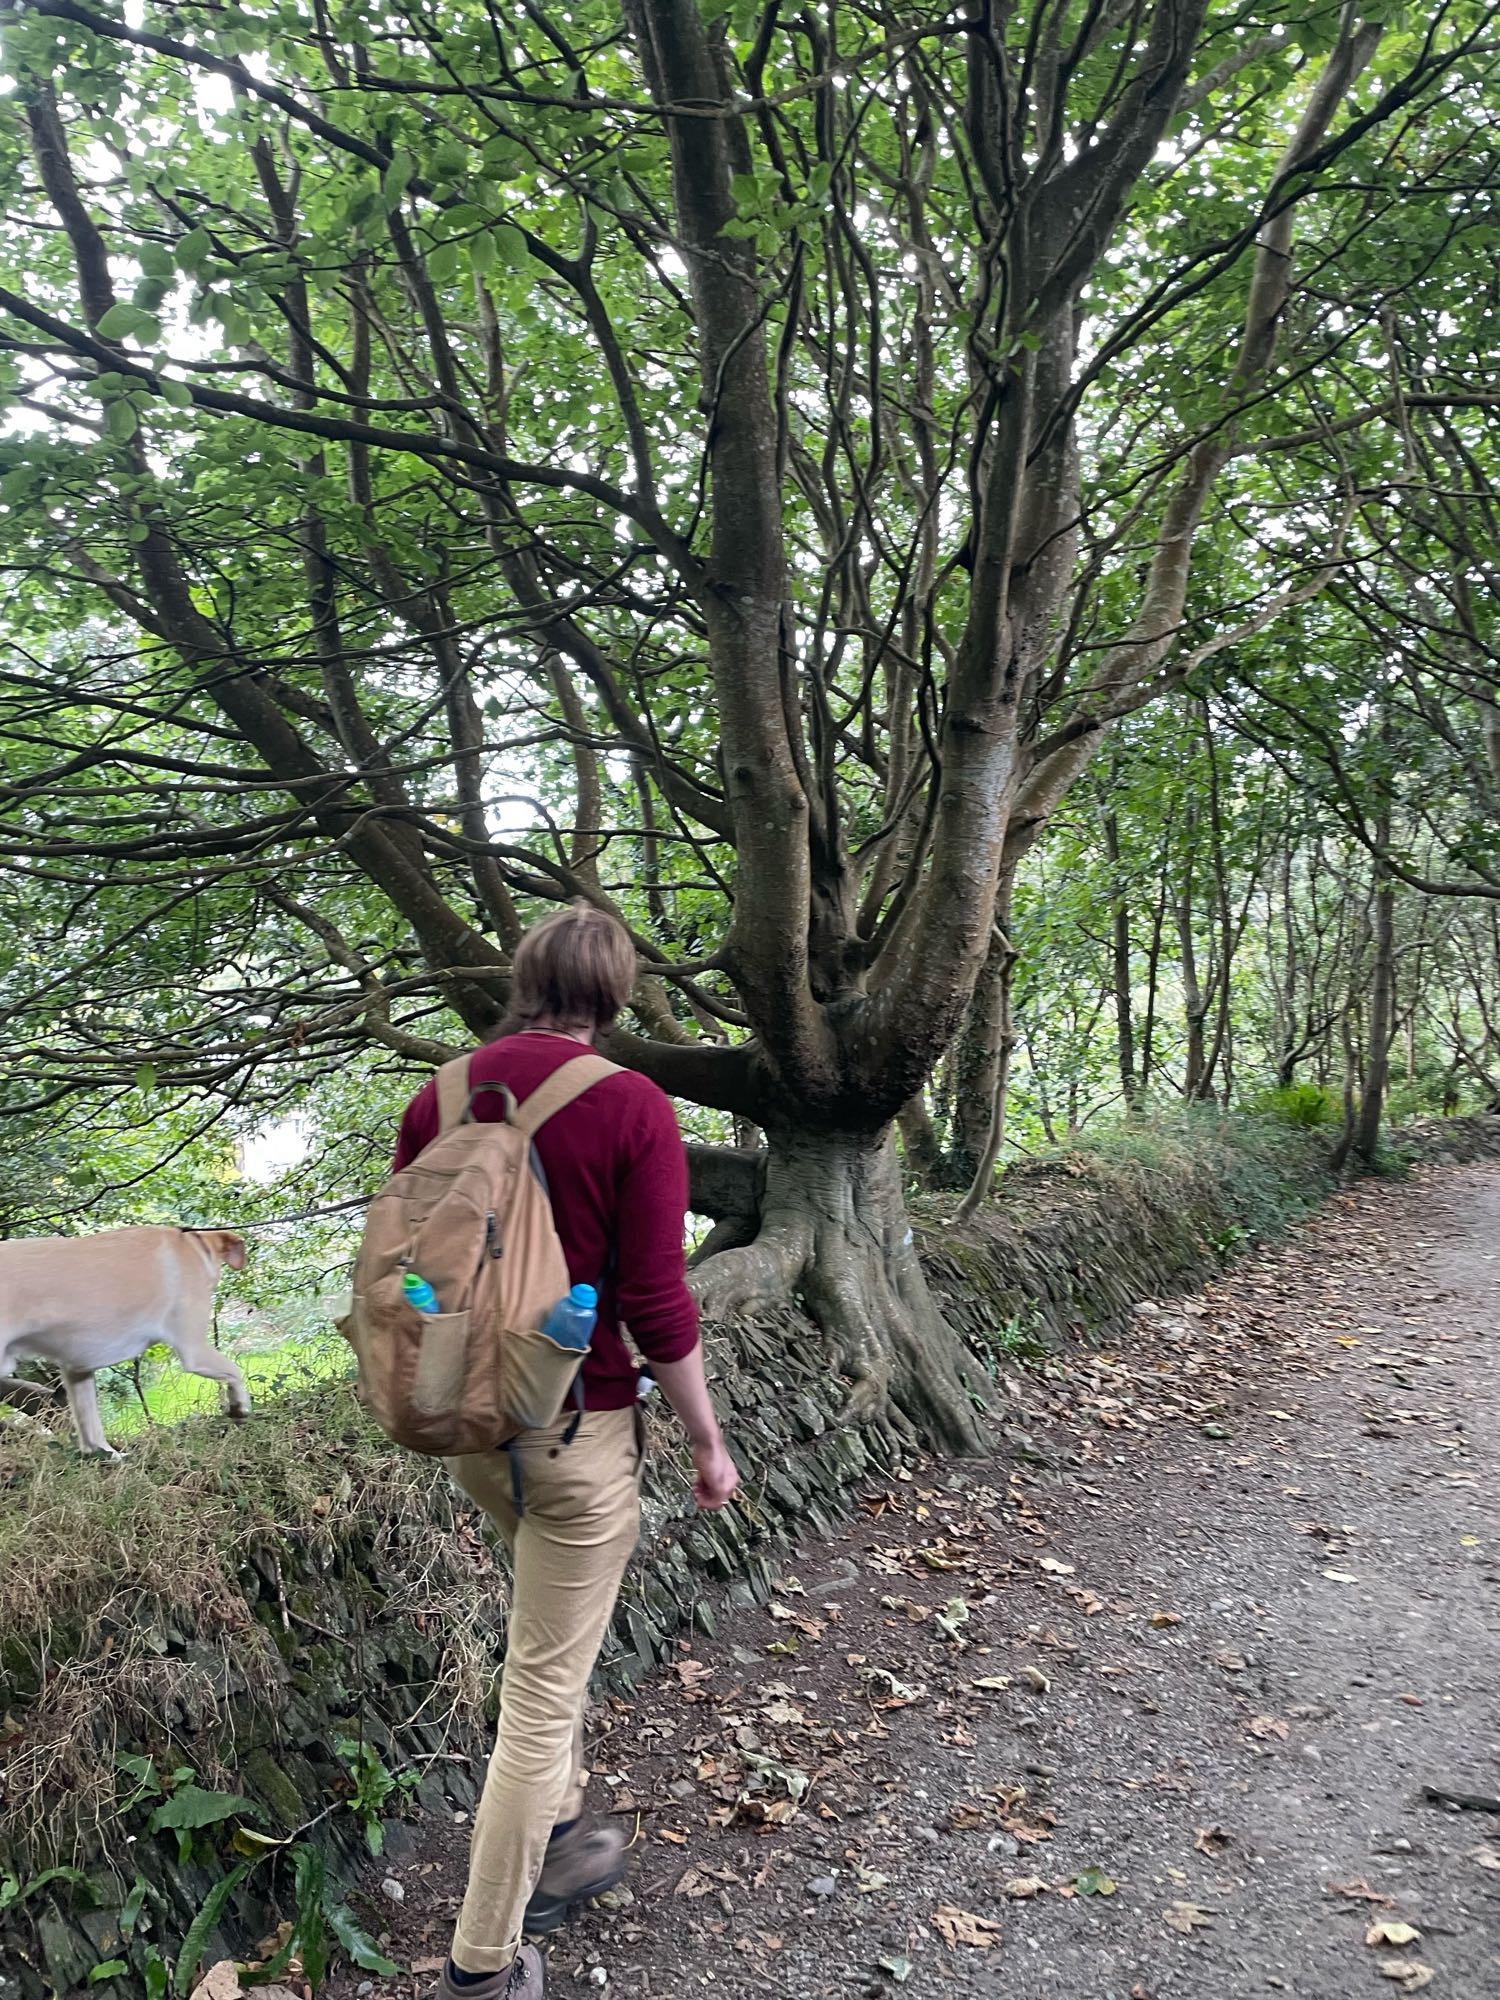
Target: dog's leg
[(198, 1358), (83, 1401)]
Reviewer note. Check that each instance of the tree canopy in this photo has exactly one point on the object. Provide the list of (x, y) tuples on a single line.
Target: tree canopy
[(738, 465)]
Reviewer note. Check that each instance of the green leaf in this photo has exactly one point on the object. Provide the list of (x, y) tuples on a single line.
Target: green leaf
[(193, 1806), (442, 262), (310, 1878), (482, 253), (156, 1975), (1093, 1882), (358, 1944), (136, 533), (898, 1966), (13, 1891), (121, 421), (397, 177), (178, 394), (145, 1079), (134, 1903), (511, 244), (214, 1905), (109, 1968), (124, 320)]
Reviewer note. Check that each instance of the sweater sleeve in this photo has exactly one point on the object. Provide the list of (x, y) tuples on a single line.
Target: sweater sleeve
[(418, 1127), (651, 1293)]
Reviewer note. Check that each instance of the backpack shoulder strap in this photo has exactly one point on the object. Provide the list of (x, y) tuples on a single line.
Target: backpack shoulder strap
[(559, 1090), (452, 1092)]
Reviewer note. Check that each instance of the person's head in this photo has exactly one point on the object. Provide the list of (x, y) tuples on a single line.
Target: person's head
[(571, 972)]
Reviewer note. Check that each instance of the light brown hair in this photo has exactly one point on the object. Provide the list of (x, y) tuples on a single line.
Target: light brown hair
[(572, 970)]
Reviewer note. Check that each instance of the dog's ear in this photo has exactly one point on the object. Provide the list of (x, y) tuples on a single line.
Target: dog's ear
[(232, 1249)]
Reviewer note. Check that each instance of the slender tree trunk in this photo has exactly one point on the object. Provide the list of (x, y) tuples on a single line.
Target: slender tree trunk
[(1382, 1026), (919, 1141), (1120, 957), (1153, 979), (1195, 1001), (978, 1057), (984, 1173)]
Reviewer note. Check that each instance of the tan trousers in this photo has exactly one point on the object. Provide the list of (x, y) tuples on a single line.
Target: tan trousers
[(568, 1549)]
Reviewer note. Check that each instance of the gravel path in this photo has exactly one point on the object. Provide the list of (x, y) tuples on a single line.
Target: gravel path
[(1142, 1707)]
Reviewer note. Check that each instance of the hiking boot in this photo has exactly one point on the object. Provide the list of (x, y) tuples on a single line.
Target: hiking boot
[(522, 1979), (582, 1863)]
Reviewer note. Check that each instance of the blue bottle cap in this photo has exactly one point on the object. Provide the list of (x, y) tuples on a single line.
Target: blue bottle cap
[(584, 1295)]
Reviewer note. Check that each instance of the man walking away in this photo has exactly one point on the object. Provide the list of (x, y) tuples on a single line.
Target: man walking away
[(566, 1500)]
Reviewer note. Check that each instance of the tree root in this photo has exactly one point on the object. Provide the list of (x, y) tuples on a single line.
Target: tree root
[(755, 1276), (834, 1236)]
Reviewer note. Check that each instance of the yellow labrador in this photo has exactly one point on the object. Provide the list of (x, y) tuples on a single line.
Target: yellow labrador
[(85, 1302)]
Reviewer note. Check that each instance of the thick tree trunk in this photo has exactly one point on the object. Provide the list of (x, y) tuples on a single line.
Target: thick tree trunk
[(834, 1235)]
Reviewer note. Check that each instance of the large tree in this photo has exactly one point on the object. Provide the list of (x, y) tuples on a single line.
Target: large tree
[(732, 463)]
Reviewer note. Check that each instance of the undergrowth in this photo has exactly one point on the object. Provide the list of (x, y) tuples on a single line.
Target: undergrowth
[(132, 1605)]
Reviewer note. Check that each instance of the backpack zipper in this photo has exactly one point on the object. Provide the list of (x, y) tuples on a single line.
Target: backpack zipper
[(492, 1235)]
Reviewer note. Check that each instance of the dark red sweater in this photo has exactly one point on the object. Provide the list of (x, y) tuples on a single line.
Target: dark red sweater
[(617, 1175)]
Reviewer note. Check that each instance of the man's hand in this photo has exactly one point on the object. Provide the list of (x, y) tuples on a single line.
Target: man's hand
[(718, 1475)]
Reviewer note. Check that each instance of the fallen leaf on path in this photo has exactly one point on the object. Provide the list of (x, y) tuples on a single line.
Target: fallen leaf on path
[(1407, 1973), (1340, 1576), (1036, 1679), (963, 1927), (1053, 1567), (1161, 1618), (898, 1966), (1187, 1918), (1094, 1882), (992, 1683), (1392, 1930), (1359, 1891), (422, 1966), (1267, 1725), (1210, 1839), (1021, 1888), (671, 1834)]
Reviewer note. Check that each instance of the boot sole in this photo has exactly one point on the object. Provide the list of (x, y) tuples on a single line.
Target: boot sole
[(546, 1914)]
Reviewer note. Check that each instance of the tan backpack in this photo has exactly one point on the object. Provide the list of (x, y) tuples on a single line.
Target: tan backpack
[(472, 1216)]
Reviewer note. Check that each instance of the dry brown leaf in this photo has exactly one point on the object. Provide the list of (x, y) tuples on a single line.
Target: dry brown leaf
[(1392, 1930), (1022, 1887), (963, 1927), (1053, 1567), (1162, 1618), (1359, 1891), (1232, 1663), (220, 1982), (1210, 1839), (670, 1833), (992, 1683), (1035, 1678), (1187, 1918), (1407, 1973), (422, 1966), (1267, 1725)]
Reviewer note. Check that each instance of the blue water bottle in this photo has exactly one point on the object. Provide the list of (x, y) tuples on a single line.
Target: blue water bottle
[(571, 1321), (419, 1293)]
